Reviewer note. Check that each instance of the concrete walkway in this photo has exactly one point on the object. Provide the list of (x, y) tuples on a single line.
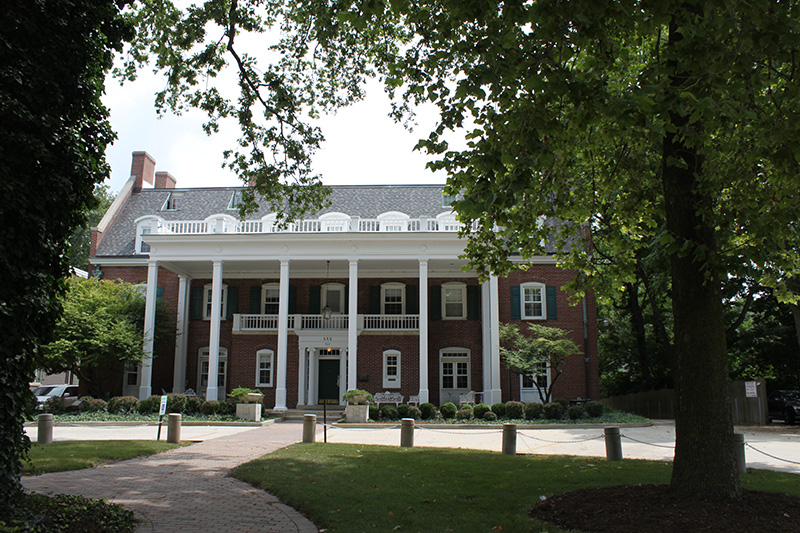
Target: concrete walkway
[(188, 489)]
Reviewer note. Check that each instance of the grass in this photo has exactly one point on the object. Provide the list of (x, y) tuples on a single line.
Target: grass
[(351, 488), (75, 455)]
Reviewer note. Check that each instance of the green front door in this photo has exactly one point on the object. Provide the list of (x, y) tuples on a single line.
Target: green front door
[(328, 387)]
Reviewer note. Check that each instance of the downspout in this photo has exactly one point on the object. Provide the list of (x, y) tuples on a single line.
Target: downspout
[(586, 348)]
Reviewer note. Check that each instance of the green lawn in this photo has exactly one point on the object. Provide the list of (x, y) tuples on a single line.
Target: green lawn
[(352, 488), (74, 455)]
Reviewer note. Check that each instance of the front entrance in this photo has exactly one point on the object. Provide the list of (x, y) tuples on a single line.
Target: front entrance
[(328, 381)]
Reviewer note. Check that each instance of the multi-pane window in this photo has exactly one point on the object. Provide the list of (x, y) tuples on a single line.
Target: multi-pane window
[(455, 370), (131, 374), (533, 302), (271, 295), (333, 297), (454, 300), (144, 247), (530, 381), (204, 366), (207, 295), (392, 295), (264, 368), (391, 369)]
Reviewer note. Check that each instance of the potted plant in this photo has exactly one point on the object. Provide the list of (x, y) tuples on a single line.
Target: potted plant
[(248, 403), (358, 401)]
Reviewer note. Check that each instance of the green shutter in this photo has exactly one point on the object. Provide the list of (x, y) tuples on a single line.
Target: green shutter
[(412, 300), (375, 300), (255, 300), (314, 301), (515, 303), (292, 299), (159, 293), (435, 307), (552, 299), (473, 302), (233, 302), (196, 304)]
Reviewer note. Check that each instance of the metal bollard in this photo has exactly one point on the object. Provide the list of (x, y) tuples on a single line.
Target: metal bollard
[(509, 439), (613, 444), (407, 433), (45, 423), (738, 444), (309, 428), (174, 428)]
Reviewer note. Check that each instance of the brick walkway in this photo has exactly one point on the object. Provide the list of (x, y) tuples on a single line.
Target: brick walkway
[(188, 489)]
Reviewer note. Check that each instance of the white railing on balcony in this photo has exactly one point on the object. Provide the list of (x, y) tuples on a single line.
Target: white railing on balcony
[(355, 224), (252, 323)]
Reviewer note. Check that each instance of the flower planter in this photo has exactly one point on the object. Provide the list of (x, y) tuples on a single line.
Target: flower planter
[(356, 413)]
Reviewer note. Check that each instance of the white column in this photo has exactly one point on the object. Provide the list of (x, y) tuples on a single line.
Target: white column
[(424, 391), (352, 327), (179, 369), (302, 392), (313, 378), (494, 310), (145, 385), (486, 338), (283, 337), (212, 392)]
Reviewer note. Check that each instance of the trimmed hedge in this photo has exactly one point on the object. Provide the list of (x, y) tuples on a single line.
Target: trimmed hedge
[(553, 410), (594, 409), (574, 412), (499, 409), (515, 410), (533, 411), (150, 405), (123, 404), (480, 409), (448, 410), (389, 412), (464, 413), (428, 411)]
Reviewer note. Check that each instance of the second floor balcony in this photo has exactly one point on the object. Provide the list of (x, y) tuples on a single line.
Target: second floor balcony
[(251, 323)]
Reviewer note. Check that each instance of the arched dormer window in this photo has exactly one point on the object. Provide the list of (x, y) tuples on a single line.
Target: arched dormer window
[(220, 223), (393, 221), (447, 221), (334, 222), (268, 223), (147, 225)]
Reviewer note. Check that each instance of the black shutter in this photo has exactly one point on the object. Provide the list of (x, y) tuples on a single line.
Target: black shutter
[(196, 303), (412, 300), (314, 305), (552, 299), (515, 302), (255, 300), (292, 299), (473, 302), (375, 300), (233, 302), (346, 299), (435, 306)]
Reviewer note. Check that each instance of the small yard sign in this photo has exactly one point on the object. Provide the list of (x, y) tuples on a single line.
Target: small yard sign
[(751, 389), (163, 409)]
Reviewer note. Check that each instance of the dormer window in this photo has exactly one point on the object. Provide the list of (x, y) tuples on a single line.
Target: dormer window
[(447, 222), (334, 222), (393, 221), (447, 200), (236, 200), (173, 201), (145, 226)]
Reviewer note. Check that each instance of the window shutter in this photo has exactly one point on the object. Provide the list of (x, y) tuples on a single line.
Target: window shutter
[(473, 302), (346, 299), (159, 293), (233, 302), (196, 304), (375, 300), (292, 299), (435, 307), (516, 311), (412, 300), (255, 299), (552, 298), (314, 301)]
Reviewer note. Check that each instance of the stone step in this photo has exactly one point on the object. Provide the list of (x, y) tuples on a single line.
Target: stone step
[(334, 413)]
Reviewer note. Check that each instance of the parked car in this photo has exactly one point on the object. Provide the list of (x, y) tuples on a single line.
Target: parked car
[(68, 393), (784, 405)]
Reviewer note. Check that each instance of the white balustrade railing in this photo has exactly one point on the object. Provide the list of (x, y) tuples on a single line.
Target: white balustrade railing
[(390, 322), (256, 323)]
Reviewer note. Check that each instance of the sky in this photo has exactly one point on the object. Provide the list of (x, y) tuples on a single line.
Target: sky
[(363, 146)]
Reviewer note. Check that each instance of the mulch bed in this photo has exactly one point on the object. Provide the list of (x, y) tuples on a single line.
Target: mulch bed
[(653, 509)]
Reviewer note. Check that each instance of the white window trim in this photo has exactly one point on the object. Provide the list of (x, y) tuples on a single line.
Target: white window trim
[(224, 307), (204, 355), (391, 382), (264, 289), (533, 388), (393, 285), (146, 225), (227, 223), (323, 297), (335, 222), (447, 221), (463, 288), (393, 221), (443, 356), (543, 292), (265, 354)]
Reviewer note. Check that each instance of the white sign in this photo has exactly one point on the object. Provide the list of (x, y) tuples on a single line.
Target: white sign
[(163, 408), (751, 389)]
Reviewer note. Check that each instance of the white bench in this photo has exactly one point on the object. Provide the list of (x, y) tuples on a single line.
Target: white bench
[(388, 397), (413, 400), (469, 398)]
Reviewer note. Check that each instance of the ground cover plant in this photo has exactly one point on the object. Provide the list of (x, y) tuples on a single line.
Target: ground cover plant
[(73, 455), (351, 487)]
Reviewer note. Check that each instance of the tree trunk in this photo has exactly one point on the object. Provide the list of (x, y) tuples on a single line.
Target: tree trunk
[(637, 324), (705, 464)]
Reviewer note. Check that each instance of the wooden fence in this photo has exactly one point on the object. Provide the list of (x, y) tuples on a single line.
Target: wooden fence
[(661, 403)]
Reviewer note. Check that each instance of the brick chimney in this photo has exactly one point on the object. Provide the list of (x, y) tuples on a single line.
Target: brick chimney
[(143, 167), (165, 180)]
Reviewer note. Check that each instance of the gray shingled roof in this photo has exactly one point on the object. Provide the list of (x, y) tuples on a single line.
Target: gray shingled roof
[(198, 204)]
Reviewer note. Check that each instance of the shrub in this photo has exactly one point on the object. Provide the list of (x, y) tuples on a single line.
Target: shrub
[(176, 403), (402, 410), (227, 407), (515, 410), (533, 411), (428, 411), (490, 416), (564, 402), (350, 396), (594, 409), (414, 412), (574, 412), (464, 413), (93, 404), (123, 404), (448, 410), (390, 412), (553, 410), (150, 405), (193, 404), (373, 412), (55, 405), (480, 409), (209, 407), (499, 409)]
